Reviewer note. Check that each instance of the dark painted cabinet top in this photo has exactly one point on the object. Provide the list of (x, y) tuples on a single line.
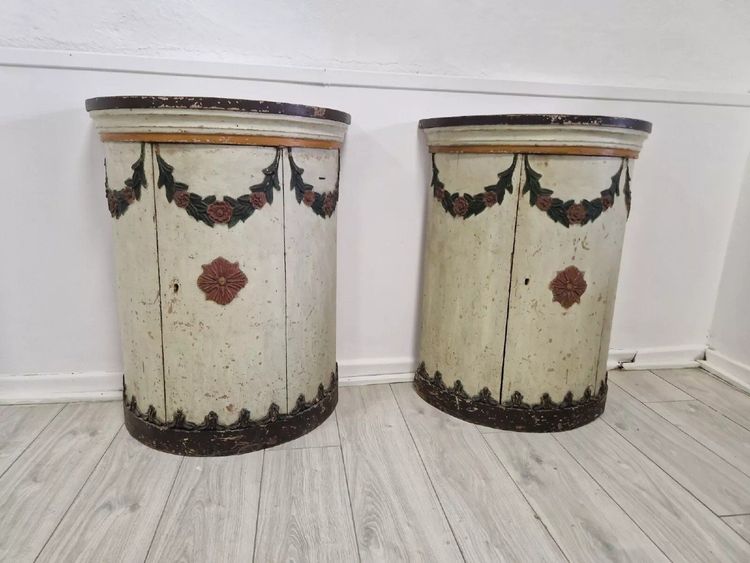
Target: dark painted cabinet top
[(225, 104)]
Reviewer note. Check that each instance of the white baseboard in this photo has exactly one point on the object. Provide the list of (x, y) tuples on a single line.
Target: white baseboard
[(60, 388), (107, 386), (666, 357), (726, 368)]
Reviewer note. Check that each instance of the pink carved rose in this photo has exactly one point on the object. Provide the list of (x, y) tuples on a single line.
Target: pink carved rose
[(221, 280), (329, 204), (220, 212), (258, 199), (607, 201), (576, 213), (490, 198), (460, 206), (544, 202), (181, 198), (308, 197)]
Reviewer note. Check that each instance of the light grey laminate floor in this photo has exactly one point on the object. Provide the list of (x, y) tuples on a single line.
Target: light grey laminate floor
[(663, 475)]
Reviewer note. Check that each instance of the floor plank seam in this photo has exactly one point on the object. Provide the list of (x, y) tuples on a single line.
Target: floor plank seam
[(661, 468), (606, 492), (257, 510), (731, 388), (518, 487), (693, 438), (429, 477), (34, 439), (164, 508), (348, 489), (83, 485)]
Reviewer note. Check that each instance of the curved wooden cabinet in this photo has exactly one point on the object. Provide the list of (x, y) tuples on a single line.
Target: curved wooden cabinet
[(524, 235), (225, 241)]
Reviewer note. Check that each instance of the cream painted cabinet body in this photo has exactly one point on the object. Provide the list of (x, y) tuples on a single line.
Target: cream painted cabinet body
[(524, 236), (225, 234)]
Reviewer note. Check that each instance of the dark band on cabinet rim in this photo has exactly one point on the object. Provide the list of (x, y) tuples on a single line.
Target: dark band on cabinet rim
[(515, 414), (537, 119), (211, 438), (224, 104)]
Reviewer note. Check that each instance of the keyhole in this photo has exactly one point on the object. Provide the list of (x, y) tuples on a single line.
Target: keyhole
[(176, 287), (526, 281)]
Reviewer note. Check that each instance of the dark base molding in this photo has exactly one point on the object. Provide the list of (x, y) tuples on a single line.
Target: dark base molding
[(546, 416), (210, 438)]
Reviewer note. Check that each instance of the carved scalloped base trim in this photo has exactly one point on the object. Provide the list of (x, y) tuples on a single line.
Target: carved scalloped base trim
[(545, 416), (210, 438)]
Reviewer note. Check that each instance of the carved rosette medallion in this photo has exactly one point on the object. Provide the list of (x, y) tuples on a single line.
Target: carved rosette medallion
[(568, 286), (221, 280)]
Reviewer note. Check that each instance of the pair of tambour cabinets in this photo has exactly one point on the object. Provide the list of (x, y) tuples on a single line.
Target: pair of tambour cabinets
[(224, 215)]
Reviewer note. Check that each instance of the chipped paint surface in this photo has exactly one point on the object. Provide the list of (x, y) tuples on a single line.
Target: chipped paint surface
[(138, 280), (489, 315)]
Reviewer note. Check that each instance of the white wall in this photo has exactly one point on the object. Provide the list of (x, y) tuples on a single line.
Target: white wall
[(683, 44), (56, 288), (729, 341)]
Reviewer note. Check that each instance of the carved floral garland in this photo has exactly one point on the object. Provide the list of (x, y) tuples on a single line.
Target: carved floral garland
[(118, 201), (322, 204), (229, 210), (566, 213), (244, 420), (571, 212), (466, 205)]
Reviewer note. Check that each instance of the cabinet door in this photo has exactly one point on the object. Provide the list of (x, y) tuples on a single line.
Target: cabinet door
[(571, 220), (310, 200), (224, 349), (467, 268), (130, 196)]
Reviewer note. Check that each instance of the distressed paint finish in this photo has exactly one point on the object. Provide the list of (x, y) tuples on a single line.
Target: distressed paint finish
[(137, 274), (221, 358), (229, 331), (518, 297), (310, 246), (466, 276), (551, 349)]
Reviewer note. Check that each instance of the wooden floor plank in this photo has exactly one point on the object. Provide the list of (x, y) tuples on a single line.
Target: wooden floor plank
[(740, 524), (682, 527), (488, 514), (39, 487), (397, 515), (722, 436), (304, 509), (19, 425), (585, 522), (115, 515), (646, 386), (719, 485), (718, 395), (325, 435), (211, 513)]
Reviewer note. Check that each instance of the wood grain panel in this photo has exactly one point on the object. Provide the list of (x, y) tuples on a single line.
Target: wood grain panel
[(19, 425), (647, 387), (715, 431), (211, 513), (584, 521), (718, 395), (304, 510), (40, 486), (489, 516), (719, 485), (115, 515), (397, 515), (680, 525)]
